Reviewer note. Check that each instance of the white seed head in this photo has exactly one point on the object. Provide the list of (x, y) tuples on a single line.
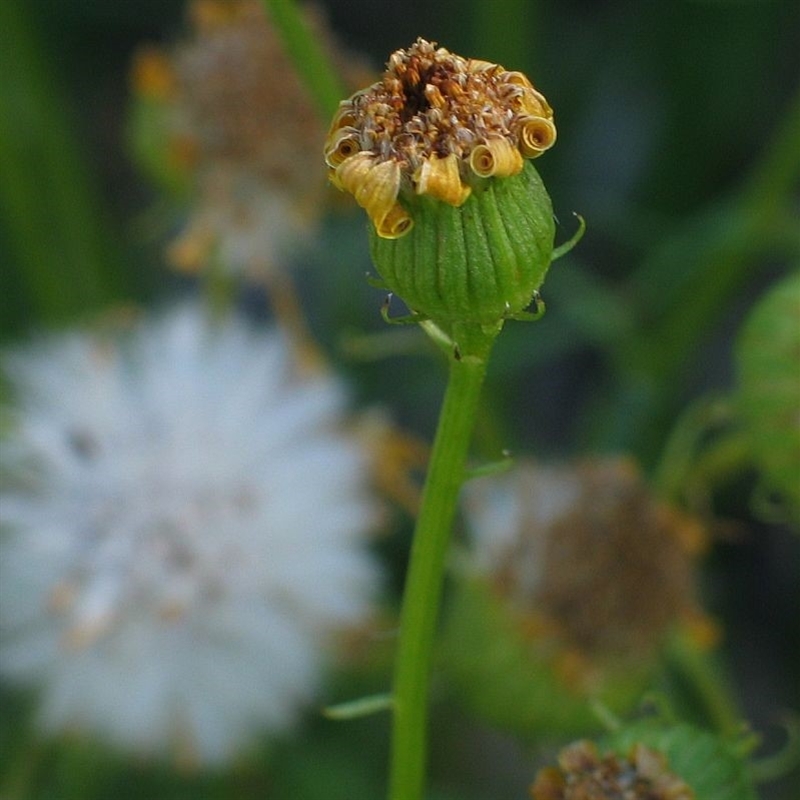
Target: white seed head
[(183, 534)]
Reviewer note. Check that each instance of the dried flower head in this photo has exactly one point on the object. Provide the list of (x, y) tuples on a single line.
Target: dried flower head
[(435, 152), (583, 774), (247, 129), (590, 552), (435, 125), (576, 579), (185, 522)]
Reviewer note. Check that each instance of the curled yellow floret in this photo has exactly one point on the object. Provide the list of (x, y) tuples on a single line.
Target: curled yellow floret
[(375, 185), (440, 178), (536, 134), (497, 157), (341, 145)]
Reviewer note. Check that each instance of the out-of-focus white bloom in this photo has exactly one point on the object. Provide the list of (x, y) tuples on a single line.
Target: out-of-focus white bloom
[(182, 536)]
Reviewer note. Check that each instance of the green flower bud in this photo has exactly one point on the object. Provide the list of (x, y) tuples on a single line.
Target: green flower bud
[(478, 262), (436, 154)]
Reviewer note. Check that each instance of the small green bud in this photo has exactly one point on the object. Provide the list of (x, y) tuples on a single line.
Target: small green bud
[(435, 152)]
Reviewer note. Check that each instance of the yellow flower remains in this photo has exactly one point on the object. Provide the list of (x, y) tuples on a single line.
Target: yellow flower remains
[(436, 124)]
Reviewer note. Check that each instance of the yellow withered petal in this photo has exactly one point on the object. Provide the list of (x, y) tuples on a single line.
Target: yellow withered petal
[(479, 65), (546, 110), (396, 223), (210, 15), (341, 145), (153, 75), (528, 103), (344, 116), (440, 178), (497, 156), (517, 78), (536, 134), (375, 187), (191, 249)]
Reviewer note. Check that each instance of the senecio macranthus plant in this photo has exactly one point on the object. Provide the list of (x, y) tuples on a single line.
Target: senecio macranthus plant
[(438, 154)]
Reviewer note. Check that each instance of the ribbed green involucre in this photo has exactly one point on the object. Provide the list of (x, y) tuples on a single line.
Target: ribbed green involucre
[(475, 263)]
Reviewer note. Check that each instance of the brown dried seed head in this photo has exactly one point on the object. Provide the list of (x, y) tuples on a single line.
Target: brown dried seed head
[(444, 120), (597, 555), (583, 773), (242, 124)]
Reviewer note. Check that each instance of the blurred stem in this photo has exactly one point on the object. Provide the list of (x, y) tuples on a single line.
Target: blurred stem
[(288, 311), (20, 775), (425, 576), (702, 675), (310, 59), (687, 284), (53, 216), (219, 288)]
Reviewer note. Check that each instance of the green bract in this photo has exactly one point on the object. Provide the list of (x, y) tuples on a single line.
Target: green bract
[(479, 262)]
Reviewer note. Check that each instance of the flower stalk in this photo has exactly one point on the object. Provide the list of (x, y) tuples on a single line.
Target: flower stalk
[(437, 153), (423, 589), (309, 58)]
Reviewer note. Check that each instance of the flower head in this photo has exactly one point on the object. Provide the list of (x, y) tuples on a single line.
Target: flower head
[(246, 129), (184, 524), (652, 758), (435, 152), (576, 581), (435, 125), (578, 544)]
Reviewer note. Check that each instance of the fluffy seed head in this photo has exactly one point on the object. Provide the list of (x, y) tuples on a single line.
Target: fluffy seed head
[(184, 521)]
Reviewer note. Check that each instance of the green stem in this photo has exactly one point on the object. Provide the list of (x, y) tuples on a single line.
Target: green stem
[(705, 679), (427, 563), (64, 257), (310, 60), (687, 283)]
